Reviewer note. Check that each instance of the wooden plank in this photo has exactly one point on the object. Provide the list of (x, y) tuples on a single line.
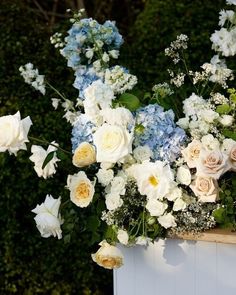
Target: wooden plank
[(213, 235)]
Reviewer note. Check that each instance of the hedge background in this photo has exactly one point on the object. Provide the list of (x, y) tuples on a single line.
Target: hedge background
[(30, 264)]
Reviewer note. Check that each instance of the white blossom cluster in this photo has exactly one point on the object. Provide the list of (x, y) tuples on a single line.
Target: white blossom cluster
[(32, 77), (175, 46), (56, 40)]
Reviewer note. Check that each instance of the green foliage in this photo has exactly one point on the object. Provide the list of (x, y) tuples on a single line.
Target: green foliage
[(130, 101)]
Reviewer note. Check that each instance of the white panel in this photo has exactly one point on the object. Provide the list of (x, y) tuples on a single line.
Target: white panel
[(177, 267)]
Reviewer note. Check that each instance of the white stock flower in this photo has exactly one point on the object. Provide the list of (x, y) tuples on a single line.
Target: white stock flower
[(112, 143), (155, 207), (113, 201), (81, 189), (119, 116), (167, 220), (108, 256), (179, 204), (48, 219), (123, 236), (142, 153), (105, 176), (154, 180), (38, 156), (13, 133), (183, 175)]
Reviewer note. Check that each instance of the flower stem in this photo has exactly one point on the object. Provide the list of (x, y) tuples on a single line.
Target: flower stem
[(48, 143)]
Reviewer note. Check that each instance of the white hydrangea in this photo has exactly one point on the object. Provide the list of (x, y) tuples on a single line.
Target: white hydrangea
[(118, 116), (193, 104), (142, 153)]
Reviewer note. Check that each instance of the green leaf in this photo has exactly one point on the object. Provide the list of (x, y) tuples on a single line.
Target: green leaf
[(223, 109), (129, 101), (93, 223), (219, 215), (61, 155), (48, 159), (229, 133), (67, 238)]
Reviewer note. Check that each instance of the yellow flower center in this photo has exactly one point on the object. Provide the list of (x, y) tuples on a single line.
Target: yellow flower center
[(82, 191), (153, 180)]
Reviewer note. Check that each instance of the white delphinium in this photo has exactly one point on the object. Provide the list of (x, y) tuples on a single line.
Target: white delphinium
[(38, 156), (119, 80), (226, 15), (32, 77), (224, 41), (55, 102), (48, 219)]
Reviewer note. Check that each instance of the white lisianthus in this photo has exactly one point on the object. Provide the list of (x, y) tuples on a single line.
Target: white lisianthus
[(81, 189), (205, 188), (167, 220), (112, 143), (183, 175), (105, 176), (209, 142), (113, 201), (99, 93), (84, 155), (119, 116), (212, 164), (155, 207), (108, 256), (38, 156), (48, 219), (123, 236), (118, 185), (179, 204), (191, 153), (142, 153), (154, 180), (226, 120), (142, 241), (175, 193), (13, 133)]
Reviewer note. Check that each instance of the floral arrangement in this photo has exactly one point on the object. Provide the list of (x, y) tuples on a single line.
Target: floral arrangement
[(146, 173)]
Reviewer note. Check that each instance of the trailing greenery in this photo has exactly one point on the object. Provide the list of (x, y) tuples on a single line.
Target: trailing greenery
[(28, 263)]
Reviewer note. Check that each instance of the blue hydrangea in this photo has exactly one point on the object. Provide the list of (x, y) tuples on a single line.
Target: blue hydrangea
[(84, 78), (156, 129), (82, 131), (84, 34)]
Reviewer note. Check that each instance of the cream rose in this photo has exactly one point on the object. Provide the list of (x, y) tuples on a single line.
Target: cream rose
[(205, 188), (232, 158), (13, 133), (108, 256), (191, 153), (212, 164), (81, 189), (112, 143), (48, 219), (84, 155)]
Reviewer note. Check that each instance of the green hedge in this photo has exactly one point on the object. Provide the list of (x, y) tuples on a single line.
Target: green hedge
[(30, 264)]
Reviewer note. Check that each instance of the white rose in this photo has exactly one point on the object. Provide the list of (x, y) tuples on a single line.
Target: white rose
[(81, 189), (142, 153), (118, 185), (174, 194), (112, 143), (226, 120), (105, 176), (48, 219), (113, 201), (38, 156), (191, 153), (142, 241), (155, 207), (183, 175), (108, 256), (84, 155), (179, 204), (167, 220), (123, 236), (119, 116), (205, 188), (212, 164), (209, 142), (13, 133)]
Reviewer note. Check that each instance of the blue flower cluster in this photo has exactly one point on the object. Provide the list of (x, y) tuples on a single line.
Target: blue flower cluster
[(156, 129), (82, 131), (84, 35), (84, 77)]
